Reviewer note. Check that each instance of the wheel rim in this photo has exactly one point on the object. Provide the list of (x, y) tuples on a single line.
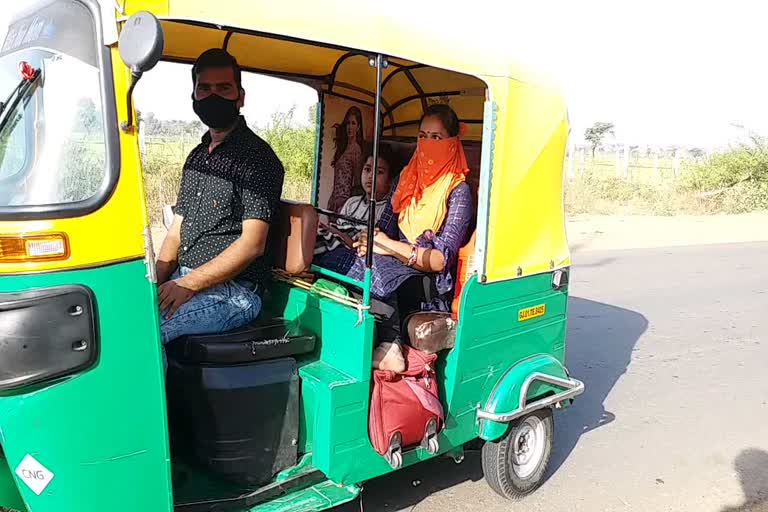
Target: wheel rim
[(528, 446)]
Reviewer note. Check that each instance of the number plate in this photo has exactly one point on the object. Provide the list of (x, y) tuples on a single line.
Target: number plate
[(531, 313)]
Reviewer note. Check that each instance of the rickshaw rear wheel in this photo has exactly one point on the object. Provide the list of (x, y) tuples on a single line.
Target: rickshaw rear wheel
[(516, 464)]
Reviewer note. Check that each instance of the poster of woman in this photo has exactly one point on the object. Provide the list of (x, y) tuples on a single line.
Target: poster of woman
[(345, 142)]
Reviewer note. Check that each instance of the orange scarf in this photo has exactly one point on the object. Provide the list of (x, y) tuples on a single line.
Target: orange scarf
[(421, 199)]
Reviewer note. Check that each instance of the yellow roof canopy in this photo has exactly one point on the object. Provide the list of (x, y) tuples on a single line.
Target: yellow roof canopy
[(407, 87), (326, 44)]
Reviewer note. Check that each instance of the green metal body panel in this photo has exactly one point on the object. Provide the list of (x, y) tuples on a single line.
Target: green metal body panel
[(490, 340), (9, 493), (110, 432), (102, 433), (505, 396), (335, 387)]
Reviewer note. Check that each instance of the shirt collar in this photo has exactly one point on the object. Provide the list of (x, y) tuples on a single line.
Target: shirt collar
[(239, 128)]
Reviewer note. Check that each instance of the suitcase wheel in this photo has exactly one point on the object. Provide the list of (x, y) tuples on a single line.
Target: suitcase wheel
[(394, 455), (430, 443)]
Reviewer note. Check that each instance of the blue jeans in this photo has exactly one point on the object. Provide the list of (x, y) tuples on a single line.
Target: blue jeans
[(221, 308)]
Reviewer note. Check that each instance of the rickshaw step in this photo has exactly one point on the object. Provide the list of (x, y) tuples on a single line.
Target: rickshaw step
[(322, 496), (307, 491)]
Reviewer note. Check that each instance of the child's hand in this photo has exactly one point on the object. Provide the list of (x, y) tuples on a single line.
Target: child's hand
[(380, 243)]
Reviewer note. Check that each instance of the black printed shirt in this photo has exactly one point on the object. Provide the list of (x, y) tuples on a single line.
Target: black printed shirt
[(241, 179)]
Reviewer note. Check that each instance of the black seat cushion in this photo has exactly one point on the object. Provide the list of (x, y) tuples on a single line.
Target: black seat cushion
[(262, 339)]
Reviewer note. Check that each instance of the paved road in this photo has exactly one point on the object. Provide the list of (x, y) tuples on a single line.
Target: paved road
[(673, 347)]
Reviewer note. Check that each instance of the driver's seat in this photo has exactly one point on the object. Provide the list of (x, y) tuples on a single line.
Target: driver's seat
[(293, 243), (233, 398)]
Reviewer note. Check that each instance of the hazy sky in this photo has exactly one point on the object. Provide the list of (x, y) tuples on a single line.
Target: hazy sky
[(664, 71)]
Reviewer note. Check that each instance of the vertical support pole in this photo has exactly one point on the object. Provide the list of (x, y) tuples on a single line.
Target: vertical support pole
[(379, 62), (315, 200)]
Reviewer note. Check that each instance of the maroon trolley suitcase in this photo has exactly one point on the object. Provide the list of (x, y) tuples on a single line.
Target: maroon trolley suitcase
[(405, 409)]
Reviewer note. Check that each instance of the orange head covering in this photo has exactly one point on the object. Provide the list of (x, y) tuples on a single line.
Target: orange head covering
[(437, 167)]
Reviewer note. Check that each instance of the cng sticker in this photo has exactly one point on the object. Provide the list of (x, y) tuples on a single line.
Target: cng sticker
[(531, 313), (34, 475)]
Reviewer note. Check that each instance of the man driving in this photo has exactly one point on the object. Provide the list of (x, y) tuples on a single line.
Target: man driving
[(214, 261)]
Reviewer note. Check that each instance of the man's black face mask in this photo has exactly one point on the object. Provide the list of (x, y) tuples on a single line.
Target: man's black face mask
[(216, 112)]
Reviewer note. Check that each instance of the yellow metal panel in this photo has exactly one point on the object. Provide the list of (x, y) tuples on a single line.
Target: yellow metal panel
[(112, 233), (181, 40), (526, 223), (354, 76), (359, 25)]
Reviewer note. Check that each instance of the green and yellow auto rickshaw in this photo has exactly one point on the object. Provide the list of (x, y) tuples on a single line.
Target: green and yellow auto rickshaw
[(84, 422)]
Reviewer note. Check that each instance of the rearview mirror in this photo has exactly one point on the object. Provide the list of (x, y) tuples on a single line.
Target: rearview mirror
[(141, 46), (141, 42)]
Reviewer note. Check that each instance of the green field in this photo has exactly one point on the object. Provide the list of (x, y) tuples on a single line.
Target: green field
[(592, 187), (641, 168)]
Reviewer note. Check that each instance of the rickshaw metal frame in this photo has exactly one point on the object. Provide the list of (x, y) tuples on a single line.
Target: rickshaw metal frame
[(573, 388)]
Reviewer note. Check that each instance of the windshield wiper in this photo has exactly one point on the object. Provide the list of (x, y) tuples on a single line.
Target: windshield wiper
[(25, 85)]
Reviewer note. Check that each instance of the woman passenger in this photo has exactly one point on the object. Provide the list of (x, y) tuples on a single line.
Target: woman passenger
[(434, 207)]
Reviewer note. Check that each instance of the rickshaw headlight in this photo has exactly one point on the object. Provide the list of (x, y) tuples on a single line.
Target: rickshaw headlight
[(34, 248)]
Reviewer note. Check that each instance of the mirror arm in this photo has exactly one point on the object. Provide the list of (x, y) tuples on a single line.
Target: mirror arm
[(127, 126)]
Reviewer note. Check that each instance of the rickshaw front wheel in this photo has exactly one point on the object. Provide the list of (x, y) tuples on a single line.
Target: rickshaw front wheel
[(515, 465)]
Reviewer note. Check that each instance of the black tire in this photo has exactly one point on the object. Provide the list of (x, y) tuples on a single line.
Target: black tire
[(497, 456)]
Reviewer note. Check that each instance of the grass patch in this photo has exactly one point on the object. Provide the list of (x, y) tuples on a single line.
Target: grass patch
[(608, 195), (734, 181)]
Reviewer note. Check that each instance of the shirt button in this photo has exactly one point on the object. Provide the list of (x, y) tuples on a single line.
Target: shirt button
[(198, 194), (184, 248)]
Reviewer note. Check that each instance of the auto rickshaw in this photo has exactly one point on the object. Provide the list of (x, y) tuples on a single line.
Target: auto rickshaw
[(83, 407)]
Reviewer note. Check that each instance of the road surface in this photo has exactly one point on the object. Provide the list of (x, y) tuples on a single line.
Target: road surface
[(672, 345)]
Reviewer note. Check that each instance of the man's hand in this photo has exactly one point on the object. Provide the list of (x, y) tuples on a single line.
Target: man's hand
[(171, 295)]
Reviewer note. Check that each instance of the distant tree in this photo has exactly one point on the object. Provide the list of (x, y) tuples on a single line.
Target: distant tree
[(89, 120), (170, 129), (697, 152), (596, 134), (672, 149)]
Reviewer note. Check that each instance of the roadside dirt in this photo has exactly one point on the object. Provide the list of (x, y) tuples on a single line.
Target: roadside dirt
[(604, 232)]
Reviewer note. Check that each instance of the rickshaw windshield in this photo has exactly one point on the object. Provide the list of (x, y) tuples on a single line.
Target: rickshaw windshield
[(52, 143)]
